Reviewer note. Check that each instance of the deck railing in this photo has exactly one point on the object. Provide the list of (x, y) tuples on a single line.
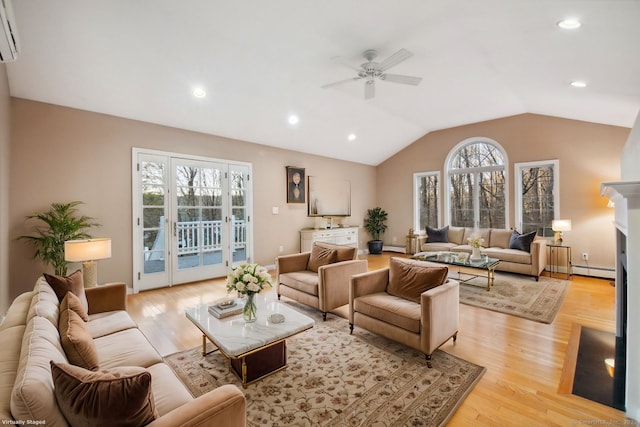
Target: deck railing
[(206, 236)]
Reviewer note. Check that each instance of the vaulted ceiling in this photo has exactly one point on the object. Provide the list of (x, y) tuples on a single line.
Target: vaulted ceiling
[(261, 61)]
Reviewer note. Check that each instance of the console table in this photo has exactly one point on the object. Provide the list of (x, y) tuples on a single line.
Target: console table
[(347, 236)]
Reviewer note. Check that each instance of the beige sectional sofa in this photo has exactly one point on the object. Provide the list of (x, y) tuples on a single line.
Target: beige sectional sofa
[(496, 245), (30, 339)]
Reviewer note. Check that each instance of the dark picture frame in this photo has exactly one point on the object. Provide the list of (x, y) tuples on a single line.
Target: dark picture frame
[(296, 185)]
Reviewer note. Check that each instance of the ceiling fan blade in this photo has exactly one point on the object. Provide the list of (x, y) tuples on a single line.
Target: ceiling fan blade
[(340, 60), (369, 89), (340, 82), (395, 59), (399, 78)]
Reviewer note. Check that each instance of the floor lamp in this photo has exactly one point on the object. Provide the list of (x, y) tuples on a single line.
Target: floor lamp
[(88, 251)]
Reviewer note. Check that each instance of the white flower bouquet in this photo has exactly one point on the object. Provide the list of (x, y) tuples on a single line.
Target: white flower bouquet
[(248, 279), (475, 241)]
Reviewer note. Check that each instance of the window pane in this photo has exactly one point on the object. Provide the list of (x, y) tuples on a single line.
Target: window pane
[(462, 200), (492, 200), (537, 199), (428, 201), (477, 155)]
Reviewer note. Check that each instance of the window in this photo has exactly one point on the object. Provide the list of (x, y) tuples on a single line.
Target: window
[(536, 196), (476, 184), (426, 199)]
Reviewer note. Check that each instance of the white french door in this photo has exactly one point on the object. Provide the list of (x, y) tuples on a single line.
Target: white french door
[(191, 218)]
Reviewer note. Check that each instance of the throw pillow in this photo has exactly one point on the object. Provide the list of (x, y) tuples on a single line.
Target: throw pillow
[(113, 397), (521, 241), (438, 235), (72, 302), (76, 340), (321, 256), (409, 278), (71, 283)]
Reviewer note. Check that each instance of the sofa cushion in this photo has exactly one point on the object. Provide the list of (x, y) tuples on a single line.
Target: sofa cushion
[(76, 341), (409, 278), (521, 241), (115, 397), (509, 255), (11, 339), (72, 302), (44, 303), (456, 235), (109, 322), (71, 283), (437, 247), (438, 235), (500, 238), (397, 311), (304, 281), (126, 348), (17, 312), (320, 256), (32, 397), (168, 391)]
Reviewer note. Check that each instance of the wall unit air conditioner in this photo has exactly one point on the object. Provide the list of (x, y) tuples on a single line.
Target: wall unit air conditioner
[(8, 33)]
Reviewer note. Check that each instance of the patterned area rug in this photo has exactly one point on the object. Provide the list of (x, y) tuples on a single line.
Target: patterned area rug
[(337, 379), (517, 295)]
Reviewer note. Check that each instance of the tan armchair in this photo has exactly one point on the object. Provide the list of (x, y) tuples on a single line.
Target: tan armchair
[(411, 302), (320, 278)]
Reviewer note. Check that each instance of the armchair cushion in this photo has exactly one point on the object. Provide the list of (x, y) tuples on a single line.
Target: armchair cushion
[(305, 281), (320, 256), (438, 235), (521, 241), (409, 278), (390, 309)]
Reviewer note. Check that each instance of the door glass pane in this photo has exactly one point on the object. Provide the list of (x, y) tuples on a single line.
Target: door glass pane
[(153, 216), (462, 199), (238, 216), (199, 216), (492, 202), (537, 199)]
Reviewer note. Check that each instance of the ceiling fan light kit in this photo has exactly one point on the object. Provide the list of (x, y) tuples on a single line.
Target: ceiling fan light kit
[(371, 70)]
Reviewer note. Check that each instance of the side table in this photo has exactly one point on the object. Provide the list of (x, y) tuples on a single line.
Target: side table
[(411, 244), (554, 259)]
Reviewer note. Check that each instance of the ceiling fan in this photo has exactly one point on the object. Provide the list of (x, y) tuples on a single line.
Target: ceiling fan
[(371, 70)]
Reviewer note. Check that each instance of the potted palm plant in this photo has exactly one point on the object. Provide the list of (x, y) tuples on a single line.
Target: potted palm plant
[(374, 223), (61, 223)]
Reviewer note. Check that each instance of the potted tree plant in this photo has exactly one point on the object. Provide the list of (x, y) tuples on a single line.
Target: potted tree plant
[(374, 223), (60, 224)]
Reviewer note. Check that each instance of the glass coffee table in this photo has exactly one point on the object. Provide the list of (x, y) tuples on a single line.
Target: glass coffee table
[(254, 350), (484, 267)]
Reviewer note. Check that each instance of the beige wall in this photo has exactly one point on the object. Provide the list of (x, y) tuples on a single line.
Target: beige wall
[(60, 154), (4, 188), (588, 153)]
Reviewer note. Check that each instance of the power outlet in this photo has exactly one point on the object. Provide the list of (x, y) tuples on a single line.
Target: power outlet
[(281, 249), (585, 256)]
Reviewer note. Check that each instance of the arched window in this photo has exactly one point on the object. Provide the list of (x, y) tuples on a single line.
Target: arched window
[(477, 184)]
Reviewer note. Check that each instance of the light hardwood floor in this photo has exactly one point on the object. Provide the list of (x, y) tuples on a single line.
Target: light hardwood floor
[(524, 359)]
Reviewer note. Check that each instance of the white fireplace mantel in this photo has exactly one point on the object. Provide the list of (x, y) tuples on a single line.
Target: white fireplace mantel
[(625, 195)]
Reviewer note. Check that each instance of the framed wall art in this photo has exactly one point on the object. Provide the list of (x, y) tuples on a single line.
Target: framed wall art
[(295, 185)]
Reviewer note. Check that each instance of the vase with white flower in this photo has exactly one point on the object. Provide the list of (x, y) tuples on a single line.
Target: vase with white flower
[(248, 280), (475, 242)]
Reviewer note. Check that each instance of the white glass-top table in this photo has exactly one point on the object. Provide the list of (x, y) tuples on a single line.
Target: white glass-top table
[(253, 349)]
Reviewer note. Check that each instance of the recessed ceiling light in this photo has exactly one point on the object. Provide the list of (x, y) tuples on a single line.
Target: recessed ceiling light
[(579, 83), (199, 92), (293, 119), (569, 24), (352, 137)]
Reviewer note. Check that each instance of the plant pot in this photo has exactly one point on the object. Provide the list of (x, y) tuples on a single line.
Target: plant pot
[(375, 247)]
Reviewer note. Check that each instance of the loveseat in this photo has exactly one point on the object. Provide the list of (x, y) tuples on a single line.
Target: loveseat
[(31, 347), (506, 245)]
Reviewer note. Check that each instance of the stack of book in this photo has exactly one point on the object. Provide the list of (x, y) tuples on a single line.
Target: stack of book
[(225, 307)]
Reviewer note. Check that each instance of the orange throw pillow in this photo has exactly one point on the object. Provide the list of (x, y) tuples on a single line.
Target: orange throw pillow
[(76, 340), (72, 302), (408, 278), (321, 256)]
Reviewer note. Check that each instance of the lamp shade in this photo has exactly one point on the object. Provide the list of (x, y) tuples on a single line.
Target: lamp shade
[(85, 250), (561, 225)]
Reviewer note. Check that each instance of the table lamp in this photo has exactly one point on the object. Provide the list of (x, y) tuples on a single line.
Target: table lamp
[(87, 251), (558, 226)]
